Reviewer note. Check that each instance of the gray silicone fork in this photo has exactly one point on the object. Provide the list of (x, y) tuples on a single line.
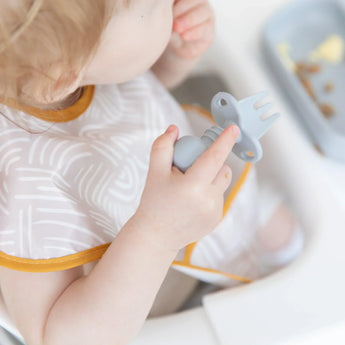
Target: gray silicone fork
[(226, 110)]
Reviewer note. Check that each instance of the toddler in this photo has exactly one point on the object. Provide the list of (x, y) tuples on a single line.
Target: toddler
[(92, 212)]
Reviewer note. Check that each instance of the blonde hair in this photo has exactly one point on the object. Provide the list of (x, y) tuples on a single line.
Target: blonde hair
[(44, 45)]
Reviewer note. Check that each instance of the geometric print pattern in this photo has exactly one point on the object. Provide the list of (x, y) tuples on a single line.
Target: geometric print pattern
[(71, 186)]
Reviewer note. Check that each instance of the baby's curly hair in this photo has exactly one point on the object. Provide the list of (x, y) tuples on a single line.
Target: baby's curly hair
[(44, 45)]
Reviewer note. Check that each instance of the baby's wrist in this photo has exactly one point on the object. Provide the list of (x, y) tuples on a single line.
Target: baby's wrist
[(148, 230)]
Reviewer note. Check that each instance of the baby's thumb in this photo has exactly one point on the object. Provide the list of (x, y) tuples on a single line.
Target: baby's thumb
[(163, 150)]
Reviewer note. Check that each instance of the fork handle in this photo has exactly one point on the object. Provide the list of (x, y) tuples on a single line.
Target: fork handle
[(189, 148)]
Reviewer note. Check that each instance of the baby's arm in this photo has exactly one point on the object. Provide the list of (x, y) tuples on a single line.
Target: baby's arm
[(193, 32), (106, 307), (110, 305)]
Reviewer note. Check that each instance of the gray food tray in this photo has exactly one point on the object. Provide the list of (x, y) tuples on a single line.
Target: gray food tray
[(304, 25)]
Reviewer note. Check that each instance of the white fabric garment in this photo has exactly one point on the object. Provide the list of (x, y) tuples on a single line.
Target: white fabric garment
[(68, 187), (72, 186)]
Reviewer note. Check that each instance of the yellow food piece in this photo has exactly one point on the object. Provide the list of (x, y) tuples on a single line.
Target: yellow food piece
[(284, 53), (331, 50)]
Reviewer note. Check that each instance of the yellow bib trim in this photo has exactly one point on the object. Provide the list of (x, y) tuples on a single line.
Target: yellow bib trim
[(63, 115), (210, 270), (56, 264)]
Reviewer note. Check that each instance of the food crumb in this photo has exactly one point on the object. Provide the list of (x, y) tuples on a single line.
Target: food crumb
[(312, 68), (318, 149), (327, 110), (330, 50), (329, 87), (307, 85)]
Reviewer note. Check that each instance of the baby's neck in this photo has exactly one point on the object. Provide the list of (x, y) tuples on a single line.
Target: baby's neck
[(65, 103)]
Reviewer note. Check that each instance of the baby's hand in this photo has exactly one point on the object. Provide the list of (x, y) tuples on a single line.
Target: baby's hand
[(194, 25), (180, 208)]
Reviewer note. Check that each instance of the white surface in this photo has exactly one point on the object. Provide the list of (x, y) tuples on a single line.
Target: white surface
[(187, 328), (7, 339), (334, 334), (303, 304)]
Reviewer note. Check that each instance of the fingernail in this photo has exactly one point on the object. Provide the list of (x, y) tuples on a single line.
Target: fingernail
[(235, 130), (170, 129)]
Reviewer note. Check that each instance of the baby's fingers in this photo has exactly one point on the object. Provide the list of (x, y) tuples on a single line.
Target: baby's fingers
[(183, 6), (199, 14), (203, 31), (162, 152), (206, 167)]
